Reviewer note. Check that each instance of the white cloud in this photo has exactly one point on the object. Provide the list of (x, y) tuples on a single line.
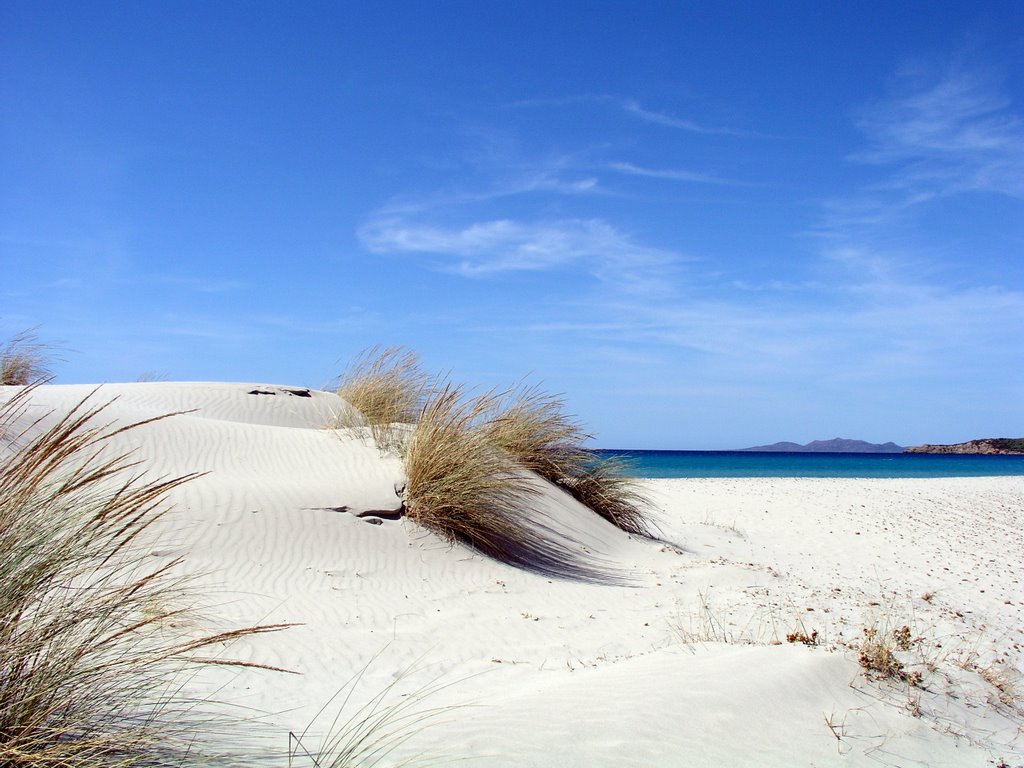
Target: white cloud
[(673, 174), (947, 133), (505, 245), (634, 109), (942, 134), (669, 121)]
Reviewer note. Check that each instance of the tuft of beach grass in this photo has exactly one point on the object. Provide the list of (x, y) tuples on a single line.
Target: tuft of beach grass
[(386, 387), (89, 656), (368, 735), (533, 428), (457, 484), (469, 459), (24, 360), (605, 487)]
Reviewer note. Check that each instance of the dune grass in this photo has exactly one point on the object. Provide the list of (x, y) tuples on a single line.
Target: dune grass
[(604, 486), (89, 652), (387, 388), (457, 484), (468, 458), (24, 360), (533, 428)]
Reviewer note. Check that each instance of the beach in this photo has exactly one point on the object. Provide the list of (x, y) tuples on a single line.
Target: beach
[(738, 635)]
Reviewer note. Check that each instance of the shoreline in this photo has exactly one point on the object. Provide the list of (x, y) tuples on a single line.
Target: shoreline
[(677, 464)]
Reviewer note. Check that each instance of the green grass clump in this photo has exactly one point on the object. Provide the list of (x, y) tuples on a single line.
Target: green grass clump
[(88, 650)]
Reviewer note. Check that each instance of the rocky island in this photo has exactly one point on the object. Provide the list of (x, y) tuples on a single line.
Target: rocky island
[(989, 446), (835, 445)]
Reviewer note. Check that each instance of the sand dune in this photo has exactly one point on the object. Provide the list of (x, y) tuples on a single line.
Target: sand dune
[(667, 652)]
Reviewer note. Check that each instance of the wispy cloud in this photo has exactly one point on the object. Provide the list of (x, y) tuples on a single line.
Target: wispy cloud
[(947, 132), (876, 295), (634, 109), (553, 179), (674, 174), (504, 245), (872, 322), (942, 133)]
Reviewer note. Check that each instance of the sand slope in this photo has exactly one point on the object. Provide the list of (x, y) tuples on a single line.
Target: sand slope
[(670, 652)]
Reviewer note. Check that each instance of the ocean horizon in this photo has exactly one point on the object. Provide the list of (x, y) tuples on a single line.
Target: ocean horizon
[(691, 464)]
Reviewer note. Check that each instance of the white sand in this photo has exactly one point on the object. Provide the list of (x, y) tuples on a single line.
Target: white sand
[(675, 656)]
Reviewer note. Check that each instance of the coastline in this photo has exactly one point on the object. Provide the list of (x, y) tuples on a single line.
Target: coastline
[(744, 463)]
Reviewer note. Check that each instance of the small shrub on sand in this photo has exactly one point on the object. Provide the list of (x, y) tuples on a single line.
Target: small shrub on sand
[(879, 657), (532, 427), (386, 387), (1000, 679), (23, 360), (88, 652), (801, 636), (458, 484)]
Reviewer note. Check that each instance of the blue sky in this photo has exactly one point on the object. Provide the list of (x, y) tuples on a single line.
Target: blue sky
[(709, 224)]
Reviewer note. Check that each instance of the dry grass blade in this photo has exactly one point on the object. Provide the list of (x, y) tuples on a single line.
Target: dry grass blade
[(386, 387), (88, 650), (373, 731), (24, 360)]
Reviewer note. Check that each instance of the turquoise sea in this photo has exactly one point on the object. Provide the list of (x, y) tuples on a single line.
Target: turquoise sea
[(755, 464)]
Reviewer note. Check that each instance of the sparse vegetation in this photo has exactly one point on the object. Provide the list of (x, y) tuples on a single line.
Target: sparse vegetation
[(731, 527), (704, 626), (1014, 444), (24, 360), (878, 654), (801, 636), (88, 649), (999, 677), (373, 731)]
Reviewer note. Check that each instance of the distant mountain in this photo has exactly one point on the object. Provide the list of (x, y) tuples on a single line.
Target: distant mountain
[(835, 445), (989, 445)]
